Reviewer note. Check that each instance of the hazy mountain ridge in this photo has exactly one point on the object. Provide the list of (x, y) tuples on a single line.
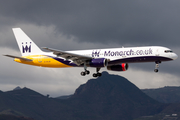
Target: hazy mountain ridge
[(105, 98), (167, 94)]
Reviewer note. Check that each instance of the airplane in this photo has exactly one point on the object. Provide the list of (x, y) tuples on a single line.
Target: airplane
[(114, 59)]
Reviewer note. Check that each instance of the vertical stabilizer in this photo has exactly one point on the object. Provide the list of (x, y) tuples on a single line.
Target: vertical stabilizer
[(26, 45)]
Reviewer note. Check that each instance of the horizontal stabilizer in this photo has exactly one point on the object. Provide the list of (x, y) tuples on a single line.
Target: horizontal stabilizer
[(18, 57)]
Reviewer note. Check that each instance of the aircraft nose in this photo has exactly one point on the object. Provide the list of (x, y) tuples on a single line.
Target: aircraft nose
[(174, 56)]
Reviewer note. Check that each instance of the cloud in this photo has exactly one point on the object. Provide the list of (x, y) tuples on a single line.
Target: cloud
[(72, 25), (123, 22)]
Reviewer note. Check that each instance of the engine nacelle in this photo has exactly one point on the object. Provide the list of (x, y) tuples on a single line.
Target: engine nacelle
[(121, 67), (98, 62)]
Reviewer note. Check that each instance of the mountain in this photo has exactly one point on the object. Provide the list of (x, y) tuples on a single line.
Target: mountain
[(168, 94), (105, 98), (28, 103), (113, 97), (17, 88)]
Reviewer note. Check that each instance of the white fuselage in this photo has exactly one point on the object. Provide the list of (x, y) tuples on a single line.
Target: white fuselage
[(115, 59), (131, 54)]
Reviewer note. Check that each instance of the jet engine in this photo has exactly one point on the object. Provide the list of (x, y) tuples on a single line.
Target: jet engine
[(121, 67), (99, 62)]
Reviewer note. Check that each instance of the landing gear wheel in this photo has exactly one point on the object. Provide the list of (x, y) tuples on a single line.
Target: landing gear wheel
[(157, 66), (156, 70), (99, 74), (94, 75), (83, 73), (87, 72)]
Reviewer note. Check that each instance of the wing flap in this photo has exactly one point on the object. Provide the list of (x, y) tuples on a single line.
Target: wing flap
[(12, 56)]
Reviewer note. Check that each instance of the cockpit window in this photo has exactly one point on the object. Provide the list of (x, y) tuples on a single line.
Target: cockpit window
[(168, 51)]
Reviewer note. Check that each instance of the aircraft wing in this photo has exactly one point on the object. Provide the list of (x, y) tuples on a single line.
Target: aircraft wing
[(12, 56), (76, 58)]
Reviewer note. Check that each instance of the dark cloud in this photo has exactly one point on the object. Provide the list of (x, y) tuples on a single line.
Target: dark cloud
[(124, 22), (70, 24)]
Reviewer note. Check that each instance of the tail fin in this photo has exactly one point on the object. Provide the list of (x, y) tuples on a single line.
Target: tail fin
[(26, 45)]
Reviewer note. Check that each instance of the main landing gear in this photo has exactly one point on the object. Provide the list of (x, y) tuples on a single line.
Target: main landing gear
[(97, 74), (157, 66), (86, 72)]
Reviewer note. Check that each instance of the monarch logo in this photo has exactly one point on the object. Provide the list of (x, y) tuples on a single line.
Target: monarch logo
[(95, 53), (26, 48)]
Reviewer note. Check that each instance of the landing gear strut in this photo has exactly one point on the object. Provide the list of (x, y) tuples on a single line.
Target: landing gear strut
[(97, 74), (86, 72), (157, 66)]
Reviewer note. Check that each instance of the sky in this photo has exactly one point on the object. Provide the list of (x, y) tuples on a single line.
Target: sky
[(81, 24)]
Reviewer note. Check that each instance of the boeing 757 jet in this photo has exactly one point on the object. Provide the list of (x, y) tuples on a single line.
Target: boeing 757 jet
[(114, 59)]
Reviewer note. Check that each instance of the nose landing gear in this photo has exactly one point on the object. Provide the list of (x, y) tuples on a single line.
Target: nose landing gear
[(157, 66)]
